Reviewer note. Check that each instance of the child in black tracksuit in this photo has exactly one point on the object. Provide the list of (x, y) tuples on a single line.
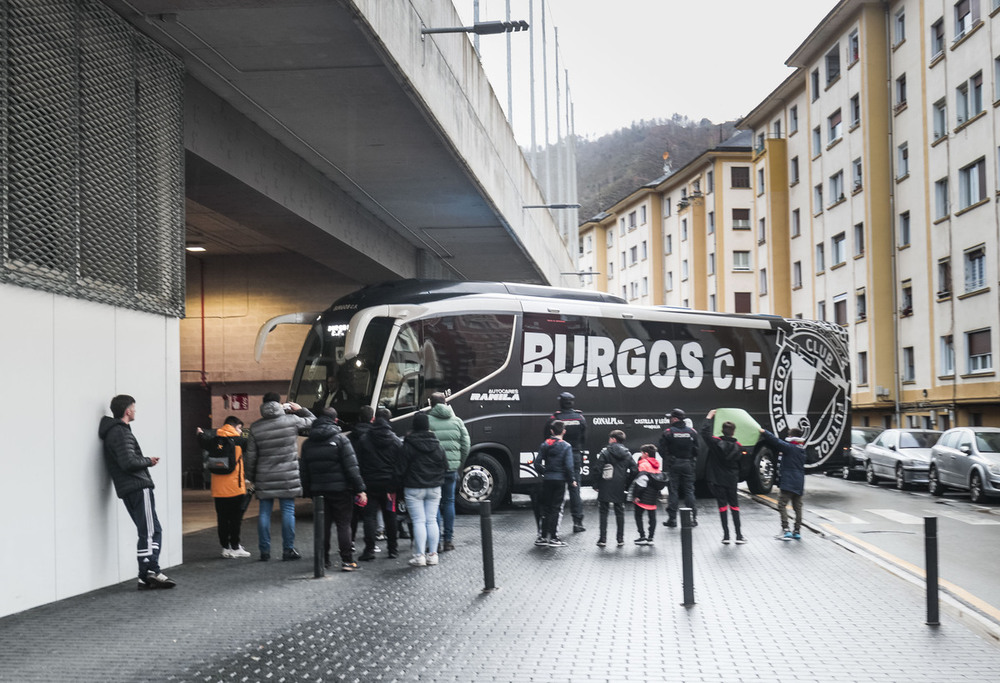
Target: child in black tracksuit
[(615, 471), (646, 492)]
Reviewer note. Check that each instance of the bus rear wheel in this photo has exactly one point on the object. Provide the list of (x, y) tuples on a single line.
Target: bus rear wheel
[(760, 479), (482, 478)]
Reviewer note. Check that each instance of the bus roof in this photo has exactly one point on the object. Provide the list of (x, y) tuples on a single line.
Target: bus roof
[(416, 291)]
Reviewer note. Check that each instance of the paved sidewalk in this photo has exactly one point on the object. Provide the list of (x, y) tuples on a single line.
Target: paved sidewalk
[(766, 611)]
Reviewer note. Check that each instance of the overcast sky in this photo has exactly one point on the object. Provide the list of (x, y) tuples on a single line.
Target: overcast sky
[(643, 59)]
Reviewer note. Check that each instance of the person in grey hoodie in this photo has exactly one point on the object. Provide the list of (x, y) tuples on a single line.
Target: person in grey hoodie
[(451, 432), (273, 468)]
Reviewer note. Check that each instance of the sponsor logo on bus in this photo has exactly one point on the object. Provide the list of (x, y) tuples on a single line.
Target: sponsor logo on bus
[(496, 395)]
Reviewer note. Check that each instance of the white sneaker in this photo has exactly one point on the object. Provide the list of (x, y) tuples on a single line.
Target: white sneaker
[(239, 552), (432, 559), (227, 553), (418, 561)]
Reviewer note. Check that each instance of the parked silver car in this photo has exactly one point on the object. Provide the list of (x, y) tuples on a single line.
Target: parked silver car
[(903, 455), (967, 458), (854, 460)]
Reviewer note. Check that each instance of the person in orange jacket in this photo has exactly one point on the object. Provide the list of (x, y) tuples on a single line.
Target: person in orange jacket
[(229, 490)]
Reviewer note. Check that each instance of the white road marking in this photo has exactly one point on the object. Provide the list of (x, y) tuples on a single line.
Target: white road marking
[(897, 516), (974, 518), (837, 517)]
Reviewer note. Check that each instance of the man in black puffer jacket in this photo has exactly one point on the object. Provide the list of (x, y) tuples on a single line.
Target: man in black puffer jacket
[(380, 459), (723, 470), (329, 468)]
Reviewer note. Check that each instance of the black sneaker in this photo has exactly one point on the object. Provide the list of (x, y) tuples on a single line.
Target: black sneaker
[(393, 554), (556, 542), (578, 528), (157, 580), (367, 556), (672, 523), (601, 543), (264, 557), (541, 541), (328, 564), (725, 540), (740, 540), (348, 566), (694, 521), (621, 542), (641, 541), (291, 554)]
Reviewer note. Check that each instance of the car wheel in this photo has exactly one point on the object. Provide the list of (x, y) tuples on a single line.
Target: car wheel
[(482, 478), (870, 475), (976, 488), (934, 483), (900, 478)]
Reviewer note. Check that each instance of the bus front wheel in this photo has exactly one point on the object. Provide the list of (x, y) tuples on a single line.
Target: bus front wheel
[(482, 478), (760, 479)]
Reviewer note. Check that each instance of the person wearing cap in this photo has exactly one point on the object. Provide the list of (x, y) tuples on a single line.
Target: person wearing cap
[(576, 436), (679, 450), (791, 477)]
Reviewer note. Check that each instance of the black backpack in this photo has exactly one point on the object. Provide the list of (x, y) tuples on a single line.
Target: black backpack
[(221, 455)]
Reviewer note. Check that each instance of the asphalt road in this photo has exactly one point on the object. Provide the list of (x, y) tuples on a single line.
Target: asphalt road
[(891, 522)]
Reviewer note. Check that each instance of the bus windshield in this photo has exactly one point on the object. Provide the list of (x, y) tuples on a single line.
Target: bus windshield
[(325, 378)]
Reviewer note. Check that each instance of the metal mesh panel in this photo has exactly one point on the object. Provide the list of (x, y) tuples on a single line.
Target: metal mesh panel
[(92, 128)]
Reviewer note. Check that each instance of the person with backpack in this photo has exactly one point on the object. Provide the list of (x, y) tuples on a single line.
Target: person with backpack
[(379, 452), (723, 473), (224, 461), (649, 481), (329, 468), (555, 464), (616, 470)]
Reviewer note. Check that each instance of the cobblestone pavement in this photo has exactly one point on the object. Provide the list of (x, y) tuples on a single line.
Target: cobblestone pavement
[(766, 611)]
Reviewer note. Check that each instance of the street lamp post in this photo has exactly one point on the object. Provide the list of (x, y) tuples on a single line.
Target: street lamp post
[(482, 28)]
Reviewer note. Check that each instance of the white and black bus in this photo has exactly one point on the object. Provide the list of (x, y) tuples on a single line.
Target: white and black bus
[(503, 352)]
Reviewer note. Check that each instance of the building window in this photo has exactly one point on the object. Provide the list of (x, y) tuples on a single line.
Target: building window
[(837, 187), (711, 263), (857, 174), (642, 215), (859, 239), (711, 222), (611, 238), (776, 128), (944, 278), (937, 38), (940, 118), (760, 181), (975, 269), (631, 220), (902, 161), (763, 281), (761, 231), (624, 291), (740, 176), (855, 110), (947, 355), (794, 170), (853, 47), (796, 223), (710, 182), (996, 79), (684, 270), (862, 368), (941, 208), (797, 274), (684, 230), (835, 127), (622, 229), (972, 184), (969, 98), (980, 358), (821, 310), (840, 309), (904, 229), (611, 270), (624, 261), (793, 120), (817, 141), (820, 258), (906, 299), (832, 65), (909, 364), (901, 92), (899, 28), (741, 260), (645, 251), (670, 281), (838, 251), (818, 197), (635, 289), (814, 84), (741, 219), (964, 16), (645, 286), (666, 207), (760, 142), (633, 255), (711, 302), (668, 248)]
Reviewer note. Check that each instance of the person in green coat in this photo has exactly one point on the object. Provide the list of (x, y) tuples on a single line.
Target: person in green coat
[(451, 432)]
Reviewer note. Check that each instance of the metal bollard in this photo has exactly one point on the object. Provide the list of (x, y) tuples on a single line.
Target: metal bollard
[(319, 568), (686, 560), (486, 533), (931, 560)]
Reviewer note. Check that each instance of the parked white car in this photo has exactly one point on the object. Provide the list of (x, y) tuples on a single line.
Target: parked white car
[(902, 455), (967, 458)]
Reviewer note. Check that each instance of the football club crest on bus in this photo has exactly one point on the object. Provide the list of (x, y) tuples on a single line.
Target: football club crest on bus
[(808, 388)]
